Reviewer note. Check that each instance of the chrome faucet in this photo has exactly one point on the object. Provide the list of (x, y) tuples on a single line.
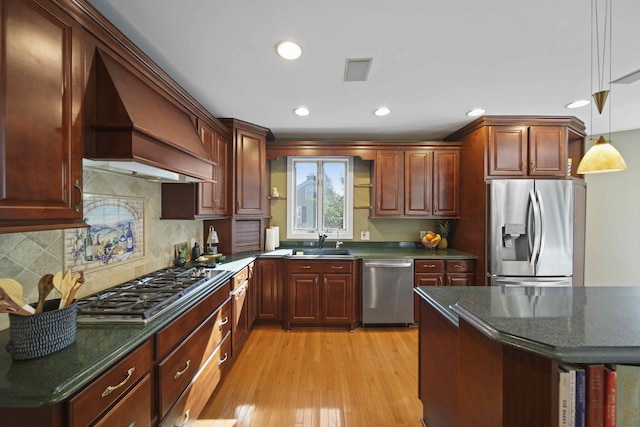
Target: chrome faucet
[(321, 238), (338, 242)]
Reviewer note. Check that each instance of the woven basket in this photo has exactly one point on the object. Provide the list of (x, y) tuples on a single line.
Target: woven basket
[(44, 333)]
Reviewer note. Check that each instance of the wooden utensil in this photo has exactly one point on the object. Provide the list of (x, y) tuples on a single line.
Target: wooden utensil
[(14, 290), (45, 286), (65, 287), (78, 280), (7, 305)]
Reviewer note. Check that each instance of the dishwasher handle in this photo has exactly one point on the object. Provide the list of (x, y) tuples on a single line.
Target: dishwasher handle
[(388, 264)]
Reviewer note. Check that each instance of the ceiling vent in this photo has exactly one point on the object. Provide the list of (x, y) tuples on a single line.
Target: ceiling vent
[(357, 70), (629, 78)]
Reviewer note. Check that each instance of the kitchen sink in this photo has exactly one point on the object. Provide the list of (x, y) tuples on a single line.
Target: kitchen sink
[(322, 252)]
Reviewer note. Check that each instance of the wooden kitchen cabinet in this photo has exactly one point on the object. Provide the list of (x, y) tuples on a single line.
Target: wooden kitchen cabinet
[(240, 302), (249, 163), (417, 183), (441, 272), (504, 147), (41, 130), (114, 385), (321, 293), (202, 200), (184, 350), (518, 151), (268, 286), (132, 410), (213, 195)]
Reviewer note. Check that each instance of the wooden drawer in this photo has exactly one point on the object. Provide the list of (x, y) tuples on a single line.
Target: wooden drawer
[(178, 369), (333, 266), (134, 409), (240, 278), (428, 266), (325, 266), (104, 391), (461, 266), (174, 333), (186, 410)]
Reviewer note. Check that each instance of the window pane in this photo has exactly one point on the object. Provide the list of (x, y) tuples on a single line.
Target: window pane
[(306, 174), (333, 205)]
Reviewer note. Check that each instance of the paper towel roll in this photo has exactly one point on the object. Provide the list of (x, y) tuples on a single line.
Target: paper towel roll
[(277, 232), (270, 240)]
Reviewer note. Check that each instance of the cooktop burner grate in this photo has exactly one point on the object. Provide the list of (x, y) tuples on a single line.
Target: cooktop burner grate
[(143, 298)]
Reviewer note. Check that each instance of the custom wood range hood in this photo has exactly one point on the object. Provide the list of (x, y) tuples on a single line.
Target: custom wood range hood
[(135, 130)]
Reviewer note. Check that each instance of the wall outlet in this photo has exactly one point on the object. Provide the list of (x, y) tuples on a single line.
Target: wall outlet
[(364, 235)]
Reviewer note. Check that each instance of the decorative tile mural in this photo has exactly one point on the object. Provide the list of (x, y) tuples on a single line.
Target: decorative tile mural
[(116, 233)]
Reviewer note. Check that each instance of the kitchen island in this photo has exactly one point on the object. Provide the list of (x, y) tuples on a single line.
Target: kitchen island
[(490, 355)]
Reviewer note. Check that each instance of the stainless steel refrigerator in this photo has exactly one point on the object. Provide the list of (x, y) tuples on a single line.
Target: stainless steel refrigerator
[(536, 232)]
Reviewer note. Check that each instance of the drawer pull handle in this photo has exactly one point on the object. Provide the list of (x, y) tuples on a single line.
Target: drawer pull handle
[(132, 424), (76, 206), (240, 292), (305, 266), (428, 266), (337, 267), (179, 373), (460, 266), (226, 356), (107, 391), (223, 322), (186, 419)]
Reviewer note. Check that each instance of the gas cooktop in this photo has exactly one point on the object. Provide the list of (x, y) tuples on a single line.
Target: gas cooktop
[(143, 298)]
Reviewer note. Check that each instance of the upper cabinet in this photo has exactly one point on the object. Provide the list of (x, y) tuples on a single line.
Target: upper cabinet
[(213, 196), (527, 151), (249, 163), (41, 133), (416, 182), (523, 146)]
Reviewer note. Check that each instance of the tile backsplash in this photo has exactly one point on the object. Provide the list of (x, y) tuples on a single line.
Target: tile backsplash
[(26, 257)]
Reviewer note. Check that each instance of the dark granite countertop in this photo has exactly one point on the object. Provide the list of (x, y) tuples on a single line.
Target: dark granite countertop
[(373, 250), (50, 379), (568, 324)]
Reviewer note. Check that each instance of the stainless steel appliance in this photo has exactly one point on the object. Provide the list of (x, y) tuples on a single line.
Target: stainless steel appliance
[(143, 298), (387, 291), (536, 232)]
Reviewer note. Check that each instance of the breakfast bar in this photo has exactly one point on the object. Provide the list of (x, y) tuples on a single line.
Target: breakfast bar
[(490, 355)]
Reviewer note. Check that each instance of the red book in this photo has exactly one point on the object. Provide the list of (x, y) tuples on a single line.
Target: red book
[(595, 395), (610, 377)]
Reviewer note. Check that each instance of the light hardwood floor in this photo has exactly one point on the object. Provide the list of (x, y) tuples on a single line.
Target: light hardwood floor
[(322, 378)]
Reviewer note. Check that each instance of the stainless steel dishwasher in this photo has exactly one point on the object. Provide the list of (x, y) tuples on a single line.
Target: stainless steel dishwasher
[(387, 291)]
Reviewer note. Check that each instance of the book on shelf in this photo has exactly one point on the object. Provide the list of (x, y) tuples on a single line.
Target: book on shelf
[(564, 394), (627, 395), (595, 395), (576, 402), (610, 377)]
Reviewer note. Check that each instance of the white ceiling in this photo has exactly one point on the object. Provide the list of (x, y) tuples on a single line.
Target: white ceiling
[(432, 61)]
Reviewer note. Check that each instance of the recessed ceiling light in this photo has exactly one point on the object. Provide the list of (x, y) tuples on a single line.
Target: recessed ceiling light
[(476, 112), (577, 104), (288, 50), (301, 111), (382, 111)]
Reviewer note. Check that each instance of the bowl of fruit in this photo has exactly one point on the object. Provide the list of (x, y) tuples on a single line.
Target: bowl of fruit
[(430, 240)]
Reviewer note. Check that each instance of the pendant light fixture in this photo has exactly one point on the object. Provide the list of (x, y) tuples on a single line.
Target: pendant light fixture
[(602, 156)]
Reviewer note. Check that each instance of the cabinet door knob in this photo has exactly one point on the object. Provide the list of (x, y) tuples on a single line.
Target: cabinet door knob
[(533, 167)]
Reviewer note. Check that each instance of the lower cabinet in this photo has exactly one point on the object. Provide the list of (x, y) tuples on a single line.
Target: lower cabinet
[(116, 386), (321, 293), (132, 410), (240, 308), (268, 290), (441, 272)]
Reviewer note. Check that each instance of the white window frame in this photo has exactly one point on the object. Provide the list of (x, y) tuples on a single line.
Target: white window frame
[(347, 232)]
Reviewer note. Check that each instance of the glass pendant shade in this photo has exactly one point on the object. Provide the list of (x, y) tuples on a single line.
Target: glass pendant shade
[(602, 157)]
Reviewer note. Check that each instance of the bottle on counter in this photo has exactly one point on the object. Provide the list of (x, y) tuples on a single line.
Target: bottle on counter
[(195, 252)]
